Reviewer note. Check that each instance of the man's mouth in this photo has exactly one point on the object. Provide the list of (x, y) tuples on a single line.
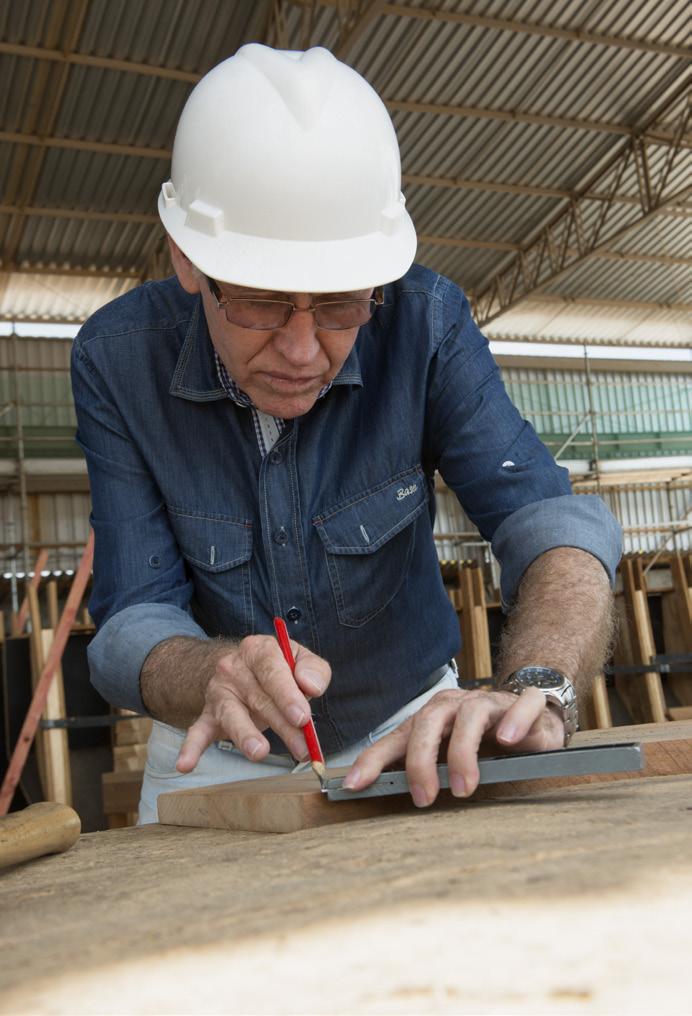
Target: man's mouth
[(288, 383)]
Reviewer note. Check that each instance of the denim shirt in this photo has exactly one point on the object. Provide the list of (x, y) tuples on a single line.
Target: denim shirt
[(198, 535)]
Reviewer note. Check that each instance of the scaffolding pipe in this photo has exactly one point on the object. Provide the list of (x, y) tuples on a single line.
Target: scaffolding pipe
[(21, 462)]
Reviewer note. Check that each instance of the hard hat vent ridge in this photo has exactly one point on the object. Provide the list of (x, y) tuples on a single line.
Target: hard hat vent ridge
[(299, 79)]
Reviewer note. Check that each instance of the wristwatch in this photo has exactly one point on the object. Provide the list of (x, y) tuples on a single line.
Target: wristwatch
[(555, 686)]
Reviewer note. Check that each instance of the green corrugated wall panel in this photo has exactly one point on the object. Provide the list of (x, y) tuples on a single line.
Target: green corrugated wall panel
[(637, 414)]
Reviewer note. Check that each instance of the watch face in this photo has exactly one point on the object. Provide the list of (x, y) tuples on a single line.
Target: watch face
[(539, 677)]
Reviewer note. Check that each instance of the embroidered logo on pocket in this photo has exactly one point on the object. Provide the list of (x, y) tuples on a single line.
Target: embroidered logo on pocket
[(403, 492)]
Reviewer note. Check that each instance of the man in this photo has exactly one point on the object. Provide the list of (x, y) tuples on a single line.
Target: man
[(262, 434)]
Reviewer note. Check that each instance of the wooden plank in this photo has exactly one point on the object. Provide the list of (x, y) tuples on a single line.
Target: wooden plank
[(677, 623), (291, 803), (128, 757), (678, 713), (643, 695), (276, 804), (121, 791), (134, 731)]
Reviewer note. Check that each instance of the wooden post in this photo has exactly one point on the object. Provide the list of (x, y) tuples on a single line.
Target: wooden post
[(476, 659), (678, 630), (642, 695), (52, 744), (28, 731), (601, 705)]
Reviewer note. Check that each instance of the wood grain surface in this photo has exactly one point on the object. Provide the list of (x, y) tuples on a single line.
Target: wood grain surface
[(575, 901)]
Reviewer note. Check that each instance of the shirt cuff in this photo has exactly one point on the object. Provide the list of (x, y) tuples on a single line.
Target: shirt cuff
[(117, 652), (574, 520)]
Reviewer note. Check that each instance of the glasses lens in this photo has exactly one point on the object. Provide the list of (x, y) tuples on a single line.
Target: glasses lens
[(260, 314), (349, 314)]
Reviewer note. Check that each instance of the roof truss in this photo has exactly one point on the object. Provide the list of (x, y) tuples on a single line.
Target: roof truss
[(582, 229)]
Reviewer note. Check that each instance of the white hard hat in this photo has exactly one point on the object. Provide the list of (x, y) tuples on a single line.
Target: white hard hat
[(286, 176)]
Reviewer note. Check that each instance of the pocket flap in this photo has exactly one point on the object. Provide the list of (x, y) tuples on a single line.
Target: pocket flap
[(364, 523), (210, 542)]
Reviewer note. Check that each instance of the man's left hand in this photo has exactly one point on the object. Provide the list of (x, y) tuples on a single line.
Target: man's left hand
[(519, 723)]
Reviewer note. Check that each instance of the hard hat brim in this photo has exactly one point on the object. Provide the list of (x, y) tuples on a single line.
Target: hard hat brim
[(296, 266)]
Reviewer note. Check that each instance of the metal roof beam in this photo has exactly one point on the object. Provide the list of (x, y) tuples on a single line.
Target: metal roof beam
[(579, 225), (469, 112), (660, 137), (545, 31), (93, 272), (88, 215), (525, 190), (611, 255), (79, 145), (100, 62), (438, 16), (353, 22)]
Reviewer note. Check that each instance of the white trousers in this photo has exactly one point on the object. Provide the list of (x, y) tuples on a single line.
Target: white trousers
[(228, 765)]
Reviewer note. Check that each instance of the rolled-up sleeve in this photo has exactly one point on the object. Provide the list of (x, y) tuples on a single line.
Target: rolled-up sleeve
[(118, 650), (581, 521), (503, 475)]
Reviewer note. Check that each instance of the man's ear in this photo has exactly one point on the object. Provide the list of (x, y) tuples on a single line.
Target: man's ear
[(188, 276)]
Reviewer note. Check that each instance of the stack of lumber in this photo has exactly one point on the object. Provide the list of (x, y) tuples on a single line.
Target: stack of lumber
[(121, 787)]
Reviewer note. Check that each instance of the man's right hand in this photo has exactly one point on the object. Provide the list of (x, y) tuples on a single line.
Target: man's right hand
[(252, 688)]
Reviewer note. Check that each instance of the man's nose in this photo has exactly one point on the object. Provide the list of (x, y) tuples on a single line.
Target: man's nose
[(297, 341)]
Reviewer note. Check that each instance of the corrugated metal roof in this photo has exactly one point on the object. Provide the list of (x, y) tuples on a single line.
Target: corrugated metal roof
[(408, 60), (57, 297), (582, 321)]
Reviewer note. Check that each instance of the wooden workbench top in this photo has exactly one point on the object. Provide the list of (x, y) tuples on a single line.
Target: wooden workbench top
[(575, 900)]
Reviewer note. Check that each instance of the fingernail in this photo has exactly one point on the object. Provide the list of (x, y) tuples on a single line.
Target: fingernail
[(351, 780), (457, 785), (419, 795), (507, 733), (252, 747), (297, 716), (314, 680)]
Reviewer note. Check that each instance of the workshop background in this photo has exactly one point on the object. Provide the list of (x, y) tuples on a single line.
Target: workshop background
[(546, 164)]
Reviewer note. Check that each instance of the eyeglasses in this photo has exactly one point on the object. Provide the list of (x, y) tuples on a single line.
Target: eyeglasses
[(266, 315)]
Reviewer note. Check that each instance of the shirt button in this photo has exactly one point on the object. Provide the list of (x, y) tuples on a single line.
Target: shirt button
[(281, 536), (154, 561), (294, 614), (276, 458)]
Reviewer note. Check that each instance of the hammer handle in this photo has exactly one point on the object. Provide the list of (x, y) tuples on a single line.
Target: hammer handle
[(45, 828)]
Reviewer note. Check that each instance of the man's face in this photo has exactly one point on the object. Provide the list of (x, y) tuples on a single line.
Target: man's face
[(281, 369)]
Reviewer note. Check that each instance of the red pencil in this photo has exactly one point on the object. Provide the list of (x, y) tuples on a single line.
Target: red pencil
[(316, 756)]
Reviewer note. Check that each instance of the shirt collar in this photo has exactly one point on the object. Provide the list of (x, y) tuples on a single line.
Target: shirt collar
[(196, 377)]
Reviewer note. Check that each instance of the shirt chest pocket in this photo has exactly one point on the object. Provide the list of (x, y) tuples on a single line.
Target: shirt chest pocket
[(218, 552), (368, 543)]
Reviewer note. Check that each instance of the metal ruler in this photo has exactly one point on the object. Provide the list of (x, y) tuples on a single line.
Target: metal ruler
[(611, 758)]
